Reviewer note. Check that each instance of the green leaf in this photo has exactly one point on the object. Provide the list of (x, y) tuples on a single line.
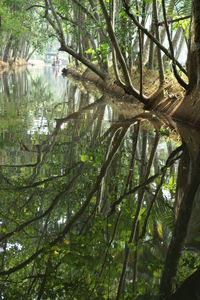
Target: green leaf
[(159, 230), (84, 157), (89, 51), (93, 200)]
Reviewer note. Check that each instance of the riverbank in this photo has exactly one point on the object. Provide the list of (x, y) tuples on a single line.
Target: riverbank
[(5, 66), (164, 98)]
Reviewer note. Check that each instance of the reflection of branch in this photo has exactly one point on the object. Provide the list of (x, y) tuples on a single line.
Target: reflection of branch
[(189, 289), (26, 165), (76, 216), (76, 114), (143, 173), (132, 162), (113, 140), (49, 210), (151, 204), (52, 178), (106, 251), (181, 225), (37, 163), (149, 180), (96, 186), (41, 291), (20, 166)]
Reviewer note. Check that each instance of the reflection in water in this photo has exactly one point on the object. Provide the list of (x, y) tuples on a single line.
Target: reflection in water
[(88, 197)]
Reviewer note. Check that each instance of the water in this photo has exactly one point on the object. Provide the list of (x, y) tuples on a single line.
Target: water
[(80, 178)]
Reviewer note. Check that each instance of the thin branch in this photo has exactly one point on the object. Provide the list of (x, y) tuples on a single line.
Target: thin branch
[(148, 181), (151, 204), (134, 19), (77, 215), (140, 55), (157, 33), (132, 162), (45, 213), (179, 79), (174, 21), (66, 48), (129, 86)]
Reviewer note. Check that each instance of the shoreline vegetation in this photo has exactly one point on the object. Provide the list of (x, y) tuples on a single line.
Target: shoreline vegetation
[(163, 98), (81, 170), (11, 64)]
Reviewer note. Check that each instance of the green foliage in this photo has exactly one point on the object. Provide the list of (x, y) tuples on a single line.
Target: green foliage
[(102, 51), (49, 175), (183, 7), (59, 181)]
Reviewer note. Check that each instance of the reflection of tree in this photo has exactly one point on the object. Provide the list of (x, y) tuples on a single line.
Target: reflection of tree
[(88, 215)]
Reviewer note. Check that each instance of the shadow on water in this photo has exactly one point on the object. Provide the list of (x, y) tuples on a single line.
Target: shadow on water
[(95, 203)]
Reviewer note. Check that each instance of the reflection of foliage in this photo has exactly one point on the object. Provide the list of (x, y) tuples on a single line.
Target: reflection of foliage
[(188, 262), (82, 197)]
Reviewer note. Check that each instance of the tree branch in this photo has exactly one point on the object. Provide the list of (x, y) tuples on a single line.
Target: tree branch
[(174, 21), (127, 9), (179, 79)]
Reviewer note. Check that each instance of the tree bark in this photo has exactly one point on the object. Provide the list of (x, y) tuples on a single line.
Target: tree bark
[(7, 49), (194, 49), (196, 11), (160, 63)]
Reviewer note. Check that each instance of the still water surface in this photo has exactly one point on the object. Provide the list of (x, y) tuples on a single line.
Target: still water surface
[(80, 177)]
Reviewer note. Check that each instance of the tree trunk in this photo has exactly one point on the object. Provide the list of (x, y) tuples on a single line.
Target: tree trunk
[(7, 49), (180, 46), (191, 103), (196, 12), (194, 51), (174, 41), (160, 63)]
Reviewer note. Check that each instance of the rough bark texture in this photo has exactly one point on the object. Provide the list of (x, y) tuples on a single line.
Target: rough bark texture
[(196, 5), (160, 63)]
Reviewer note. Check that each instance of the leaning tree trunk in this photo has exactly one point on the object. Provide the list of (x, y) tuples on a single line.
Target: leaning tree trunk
[(191, 103)]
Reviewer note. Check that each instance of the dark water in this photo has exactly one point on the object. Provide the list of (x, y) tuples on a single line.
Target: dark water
[(84, 183)]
